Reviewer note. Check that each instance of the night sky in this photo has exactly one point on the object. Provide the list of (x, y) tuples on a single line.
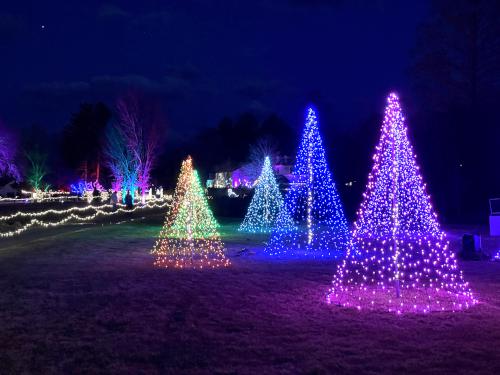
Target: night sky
[(206, 59)]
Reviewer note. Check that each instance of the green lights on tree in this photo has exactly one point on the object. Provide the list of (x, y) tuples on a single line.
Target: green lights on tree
[(191, 239)]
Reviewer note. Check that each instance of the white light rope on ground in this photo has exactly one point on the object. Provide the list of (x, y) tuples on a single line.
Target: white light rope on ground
[(40, 196), (78, 218), (52, 212), (66, 198), (66, 211)]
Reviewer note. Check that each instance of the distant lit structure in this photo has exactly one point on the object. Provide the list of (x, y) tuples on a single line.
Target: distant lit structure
[(239, 178)]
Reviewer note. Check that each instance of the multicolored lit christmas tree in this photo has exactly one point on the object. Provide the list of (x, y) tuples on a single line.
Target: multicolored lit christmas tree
[(399, 258), (320, 227), (179, 192), (180, 189), (192, 240), (266, 203)]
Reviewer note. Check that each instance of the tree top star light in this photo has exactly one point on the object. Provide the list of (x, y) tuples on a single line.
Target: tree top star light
[(266, 203), (320, 227), (398, 258)]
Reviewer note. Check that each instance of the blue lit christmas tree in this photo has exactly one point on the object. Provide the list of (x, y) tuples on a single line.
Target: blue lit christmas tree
[(320, 228), (265, 205)]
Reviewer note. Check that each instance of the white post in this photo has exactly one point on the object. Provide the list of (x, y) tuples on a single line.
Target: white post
[(395, 212), (309, 191)]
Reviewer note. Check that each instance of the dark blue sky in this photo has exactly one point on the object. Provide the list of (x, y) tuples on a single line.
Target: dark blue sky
[(206, 59)]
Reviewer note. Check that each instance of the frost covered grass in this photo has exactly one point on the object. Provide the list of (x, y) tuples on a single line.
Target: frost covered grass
[(88, 300)]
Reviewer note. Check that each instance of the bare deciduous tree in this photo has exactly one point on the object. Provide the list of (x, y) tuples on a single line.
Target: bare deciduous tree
[(141, 125), (8, 165), (121, 161)]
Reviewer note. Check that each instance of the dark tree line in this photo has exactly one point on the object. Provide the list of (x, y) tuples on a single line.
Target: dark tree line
[(456, 76), (235, 137), (82, 139), (226, 146)]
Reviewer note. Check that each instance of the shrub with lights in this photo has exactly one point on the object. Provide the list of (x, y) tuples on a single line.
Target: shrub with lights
[(319, 225), (266, 203), (191, 239), (86, 190), (398, 258)]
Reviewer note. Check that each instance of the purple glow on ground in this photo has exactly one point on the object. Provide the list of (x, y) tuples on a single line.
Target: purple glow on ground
[(91, 301)]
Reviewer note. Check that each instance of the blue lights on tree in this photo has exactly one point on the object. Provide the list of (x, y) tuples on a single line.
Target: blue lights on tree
[(321, 228), (265, 205)]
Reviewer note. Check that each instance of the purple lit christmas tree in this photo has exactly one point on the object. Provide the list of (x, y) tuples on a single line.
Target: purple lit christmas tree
[(398, 258), (319, 227)]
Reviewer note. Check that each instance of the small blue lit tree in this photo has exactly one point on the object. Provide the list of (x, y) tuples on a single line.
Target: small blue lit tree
[(320, 228), (265, 205)]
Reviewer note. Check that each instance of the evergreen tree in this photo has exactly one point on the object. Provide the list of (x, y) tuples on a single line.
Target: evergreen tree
[(266, 203), (82, 139), (320, 228), (398, 259), (192, 240)]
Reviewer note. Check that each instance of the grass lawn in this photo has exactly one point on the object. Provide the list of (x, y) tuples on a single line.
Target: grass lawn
[(86, 299)]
